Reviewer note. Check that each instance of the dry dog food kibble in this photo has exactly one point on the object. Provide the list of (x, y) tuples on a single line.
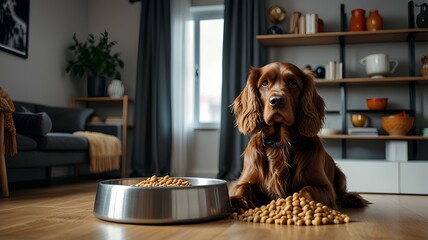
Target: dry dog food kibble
[(166, 181), (293, 210)]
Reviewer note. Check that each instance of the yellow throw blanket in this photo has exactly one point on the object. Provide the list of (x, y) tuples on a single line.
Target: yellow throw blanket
[(104, 151)]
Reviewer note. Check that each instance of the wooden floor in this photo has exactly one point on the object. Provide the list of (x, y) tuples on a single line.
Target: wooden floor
[(65, 212)]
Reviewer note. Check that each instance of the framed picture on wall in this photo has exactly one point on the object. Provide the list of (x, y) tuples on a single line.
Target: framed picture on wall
[(14, 20)]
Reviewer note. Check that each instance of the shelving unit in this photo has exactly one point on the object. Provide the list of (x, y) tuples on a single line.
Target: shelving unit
[(381, 172), (125, 102), (340, 38)]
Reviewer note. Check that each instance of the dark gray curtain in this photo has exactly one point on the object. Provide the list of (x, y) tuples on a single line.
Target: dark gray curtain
[(243, 20), (152, 132)]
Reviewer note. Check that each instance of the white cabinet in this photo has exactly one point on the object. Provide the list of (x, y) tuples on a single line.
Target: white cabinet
[(377, 176), (414, 177), (371, 176)]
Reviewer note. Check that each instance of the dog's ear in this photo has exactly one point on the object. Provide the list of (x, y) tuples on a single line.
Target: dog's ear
[(246, 106), (311, 113)]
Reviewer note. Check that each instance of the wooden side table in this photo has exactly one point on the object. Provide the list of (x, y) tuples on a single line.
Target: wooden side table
[(125, 100)]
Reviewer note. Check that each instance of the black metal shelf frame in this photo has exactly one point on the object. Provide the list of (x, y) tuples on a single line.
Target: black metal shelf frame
[(412, 89)]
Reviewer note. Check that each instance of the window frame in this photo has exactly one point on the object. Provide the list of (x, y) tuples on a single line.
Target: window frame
[(199, 14)]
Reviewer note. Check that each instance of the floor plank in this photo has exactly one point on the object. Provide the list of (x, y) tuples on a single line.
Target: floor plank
[(65, 212)]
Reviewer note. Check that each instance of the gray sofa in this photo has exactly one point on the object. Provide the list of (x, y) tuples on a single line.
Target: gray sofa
[(45, 139)]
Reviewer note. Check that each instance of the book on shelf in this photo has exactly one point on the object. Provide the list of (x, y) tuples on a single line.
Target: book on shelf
[(363, 131)]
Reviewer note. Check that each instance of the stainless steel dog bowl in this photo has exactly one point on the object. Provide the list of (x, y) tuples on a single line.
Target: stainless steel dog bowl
[(117, 201)]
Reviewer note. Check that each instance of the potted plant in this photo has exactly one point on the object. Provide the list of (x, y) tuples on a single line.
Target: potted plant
[(94, 60)]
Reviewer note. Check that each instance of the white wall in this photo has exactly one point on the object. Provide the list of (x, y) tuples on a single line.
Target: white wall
[(122, 20)]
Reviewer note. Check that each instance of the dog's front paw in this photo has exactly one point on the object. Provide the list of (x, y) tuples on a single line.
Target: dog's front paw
[(353, 200), (239, 204)]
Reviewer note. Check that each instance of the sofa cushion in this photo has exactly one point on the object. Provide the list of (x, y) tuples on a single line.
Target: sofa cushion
[(61, 141), (25, 143), (32, 124), (65, 119)]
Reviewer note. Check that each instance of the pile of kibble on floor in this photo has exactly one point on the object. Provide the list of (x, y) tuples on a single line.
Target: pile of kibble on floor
[(293, 210)]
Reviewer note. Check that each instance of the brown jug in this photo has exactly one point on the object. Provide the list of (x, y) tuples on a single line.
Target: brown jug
[(358, 20), (374, 21)]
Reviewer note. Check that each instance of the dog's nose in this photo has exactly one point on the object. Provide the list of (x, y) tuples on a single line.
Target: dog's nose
[(276, 101)]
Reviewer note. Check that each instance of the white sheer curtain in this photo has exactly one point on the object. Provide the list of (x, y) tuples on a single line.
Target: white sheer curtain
[(182, 85)]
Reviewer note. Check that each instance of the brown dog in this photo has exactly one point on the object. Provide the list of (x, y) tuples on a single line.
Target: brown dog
[(281, 108)]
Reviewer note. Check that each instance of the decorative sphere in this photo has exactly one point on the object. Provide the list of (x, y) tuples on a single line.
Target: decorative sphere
[(276, 14), (274, 30)]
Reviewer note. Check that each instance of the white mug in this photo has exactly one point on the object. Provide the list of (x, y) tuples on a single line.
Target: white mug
[(378, 65)]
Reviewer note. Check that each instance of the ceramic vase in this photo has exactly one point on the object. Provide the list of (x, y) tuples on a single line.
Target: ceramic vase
[(358, 20), (374, 21), (116, 89)]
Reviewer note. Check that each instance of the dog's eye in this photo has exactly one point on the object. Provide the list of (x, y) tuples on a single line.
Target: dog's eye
[(265, 83), (292, 84)]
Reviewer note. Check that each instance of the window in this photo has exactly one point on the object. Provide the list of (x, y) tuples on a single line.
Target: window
[(208, 53)]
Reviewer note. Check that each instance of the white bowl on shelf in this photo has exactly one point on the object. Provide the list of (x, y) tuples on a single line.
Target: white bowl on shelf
[(330, 131)]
